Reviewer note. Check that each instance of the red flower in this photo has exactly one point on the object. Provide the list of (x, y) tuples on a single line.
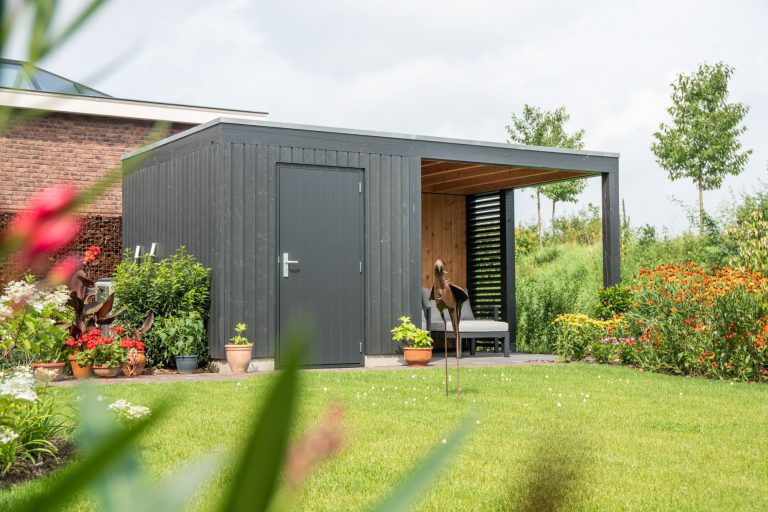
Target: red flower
[(91, 344), (117, 329), (71, 342), (139, 346), (126, 344), (94, 250)]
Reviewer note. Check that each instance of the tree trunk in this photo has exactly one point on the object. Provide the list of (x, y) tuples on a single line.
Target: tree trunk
[(538, 216), (701, 209), (553, 214)]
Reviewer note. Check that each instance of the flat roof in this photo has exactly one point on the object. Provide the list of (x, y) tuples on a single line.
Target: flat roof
[(417, 145), (118, 107)]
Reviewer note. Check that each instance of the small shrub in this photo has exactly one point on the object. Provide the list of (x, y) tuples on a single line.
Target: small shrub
[(612, 301), (182, 335), (172, 287), (29, 322), (526, 239)]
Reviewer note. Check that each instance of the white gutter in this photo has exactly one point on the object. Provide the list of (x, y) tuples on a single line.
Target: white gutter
[(114, 107)]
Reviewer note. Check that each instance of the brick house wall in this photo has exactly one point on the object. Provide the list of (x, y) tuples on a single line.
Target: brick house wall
[(75, 150)]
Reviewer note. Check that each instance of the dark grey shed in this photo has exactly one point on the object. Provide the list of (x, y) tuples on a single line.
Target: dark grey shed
[(364, 213)]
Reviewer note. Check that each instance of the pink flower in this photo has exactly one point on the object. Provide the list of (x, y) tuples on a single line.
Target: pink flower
[(46, 227), (63, 271)]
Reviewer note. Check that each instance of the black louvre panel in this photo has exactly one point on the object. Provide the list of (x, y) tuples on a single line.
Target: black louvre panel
[(484, 253)]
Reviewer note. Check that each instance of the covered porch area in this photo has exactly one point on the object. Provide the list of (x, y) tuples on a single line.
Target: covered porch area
[(468, 221)]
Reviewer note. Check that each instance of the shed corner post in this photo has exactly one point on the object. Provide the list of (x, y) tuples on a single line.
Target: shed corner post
[(508, 267), (611, 229)]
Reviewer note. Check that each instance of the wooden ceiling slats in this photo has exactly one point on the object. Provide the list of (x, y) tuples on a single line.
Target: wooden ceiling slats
[(466, 178)]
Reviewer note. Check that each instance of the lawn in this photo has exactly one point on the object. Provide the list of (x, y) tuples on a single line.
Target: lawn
[(627, 440)]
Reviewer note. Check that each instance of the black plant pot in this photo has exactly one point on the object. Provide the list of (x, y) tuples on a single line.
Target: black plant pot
[(186, 364)]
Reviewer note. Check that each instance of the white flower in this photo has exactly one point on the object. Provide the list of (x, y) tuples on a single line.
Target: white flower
[(559, 404), (5, 312), (20, 384), (19, 292), (128, 410), (7, 435)]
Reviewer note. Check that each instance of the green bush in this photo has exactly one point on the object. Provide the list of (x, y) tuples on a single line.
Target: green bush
[(33, 333), (613, 301), (182, 335), (171, 287), (551, 282)]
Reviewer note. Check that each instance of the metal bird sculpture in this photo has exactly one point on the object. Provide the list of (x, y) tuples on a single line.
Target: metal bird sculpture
[(448, 296)]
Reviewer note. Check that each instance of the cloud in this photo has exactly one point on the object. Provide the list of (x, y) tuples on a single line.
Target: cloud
[(449, 68)]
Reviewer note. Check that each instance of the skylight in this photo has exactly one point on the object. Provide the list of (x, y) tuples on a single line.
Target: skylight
[(13, 77)]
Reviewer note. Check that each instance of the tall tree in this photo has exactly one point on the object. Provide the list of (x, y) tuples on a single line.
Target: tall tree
[(536, 127), (702, 141)]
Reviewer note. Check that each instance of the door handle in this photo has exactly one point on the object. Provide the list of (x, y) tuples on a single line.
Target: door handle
[(287, 264)]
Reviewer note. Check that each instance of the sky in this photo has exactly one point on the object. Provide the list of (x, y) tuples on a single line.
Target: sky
[(444, 68)]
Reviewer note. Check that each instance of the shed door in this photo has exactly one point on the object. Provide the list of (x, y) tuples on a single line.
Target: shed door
[(320, 260)]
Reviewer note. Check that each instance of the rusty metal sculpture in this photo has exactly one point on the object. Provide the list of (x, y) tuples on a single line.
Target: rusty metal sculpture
[(451, 297)]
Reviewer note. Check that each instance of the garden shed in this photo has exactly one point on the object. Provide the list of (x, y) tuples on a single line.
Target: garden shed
[(342, 226)]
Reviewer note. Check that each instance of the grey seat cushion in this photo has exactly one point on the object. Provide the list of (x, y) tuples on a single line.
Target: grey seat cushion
[(475, 326)]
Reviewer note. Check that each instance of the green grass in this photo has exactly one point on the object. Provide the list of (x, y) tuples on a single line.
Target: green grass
[(640, 441)]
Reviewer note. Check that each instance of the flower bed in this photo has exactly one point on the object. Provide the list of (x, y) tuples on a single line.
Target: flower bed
[(684, 320), (28, 423)]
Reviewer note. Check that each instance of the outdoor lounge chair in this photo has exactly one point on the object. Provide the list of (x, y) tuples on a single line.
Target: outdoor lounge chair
[(470, 327)]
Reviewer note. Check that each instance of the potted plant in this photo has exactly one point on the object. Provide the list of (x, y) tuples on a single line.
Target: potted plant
[(418, 344), (135, 359), (239, 351), (102, 353), (183, 336), (73, 347), (87, 314), (48, 337)]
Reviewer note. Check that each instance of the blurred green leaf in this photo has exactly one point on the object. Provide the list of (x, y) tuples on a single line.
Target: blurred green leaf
[(100, 456), (416, 482), (256, 473)]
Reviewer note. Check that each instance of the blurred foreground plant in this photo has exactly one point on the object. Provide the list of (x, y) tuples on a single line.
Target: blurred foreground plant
[(108, 465)]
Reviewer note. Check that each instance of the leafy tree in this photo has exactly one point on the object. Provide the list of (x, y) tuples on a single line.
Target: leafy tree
[(702, 141), (536, 127), (562, 192)]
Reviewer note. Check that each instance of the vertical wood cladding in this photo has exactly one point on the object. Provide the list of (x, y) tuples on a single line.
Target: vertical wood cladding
[(220, 201), (444, 236)]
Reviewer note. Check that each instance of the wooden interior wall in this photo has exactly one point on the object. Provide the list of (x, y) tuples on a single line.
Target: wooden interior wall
[(444, 235)]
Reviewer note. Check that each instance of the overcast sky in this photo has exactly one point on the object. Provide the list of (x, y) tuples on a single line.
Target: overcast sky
[(456, 69)]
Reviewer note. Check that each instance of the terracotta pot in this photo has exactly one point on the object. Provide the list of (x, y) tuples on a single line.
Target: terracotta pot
[(79, 372), (135, 364), (238, 357), (417, 356), (47, 372), (106, 371)]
